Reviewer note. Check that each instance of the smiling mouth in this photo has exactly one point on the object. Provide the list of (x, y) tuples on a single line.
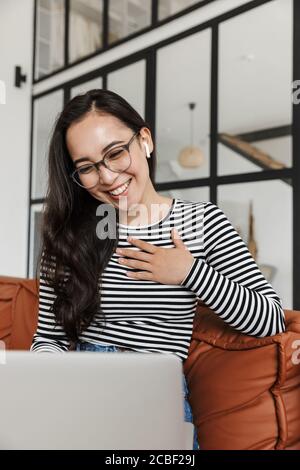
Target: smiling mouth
[(122, 189)]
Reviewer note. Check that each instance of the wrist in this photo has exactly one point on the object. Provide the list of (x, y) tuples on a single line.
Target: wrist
[(193, 260)]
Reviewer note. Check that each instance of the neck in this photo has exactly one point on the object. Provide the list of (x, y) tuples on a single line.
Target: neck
[(151, 208)]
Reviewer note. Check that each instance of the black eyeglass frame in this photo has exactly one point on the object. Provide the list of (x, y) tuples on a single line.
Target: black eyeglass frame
[(96, 165)]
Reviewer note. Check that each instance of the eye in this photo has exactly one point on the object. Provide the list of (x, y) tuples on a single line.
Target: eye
[(84, 170), (117, 153)]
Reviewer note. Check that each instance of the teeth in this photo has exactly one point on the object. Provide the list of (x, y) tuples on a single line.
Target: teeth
[(121, 189)]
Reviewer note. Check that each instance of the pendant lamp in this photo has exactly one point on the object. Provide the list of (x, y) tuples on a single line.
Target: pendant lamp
[(191, 156)]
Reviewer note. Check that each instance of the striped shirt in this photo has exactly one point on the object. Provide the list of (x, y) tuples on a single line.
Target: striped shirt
[(148, 316)]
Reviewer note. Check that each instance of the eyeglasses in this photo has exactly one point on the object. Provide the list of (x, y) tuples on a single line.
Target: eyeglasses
[(118, 160)]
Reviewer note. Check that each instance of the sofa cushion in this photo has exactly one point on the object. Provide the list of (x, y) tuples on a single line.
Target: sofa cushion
[(18, 312), (244, 391)]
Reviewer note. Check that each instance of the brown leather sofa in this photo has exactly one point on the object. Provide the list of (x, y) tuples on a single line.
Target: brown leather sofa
[(244, 391)]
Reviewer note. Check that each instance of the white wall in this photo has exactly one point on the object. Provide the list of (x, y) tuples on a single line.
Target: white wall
[(16, 31)]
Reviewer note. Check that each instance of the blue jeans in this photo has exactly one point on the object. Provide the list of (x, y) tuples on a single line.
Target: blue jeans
[(188, 416)]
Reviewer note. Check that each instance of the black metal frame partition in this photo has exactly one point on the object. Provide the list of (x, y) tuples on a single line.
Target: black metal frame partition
[(214, 180), (155, 23)]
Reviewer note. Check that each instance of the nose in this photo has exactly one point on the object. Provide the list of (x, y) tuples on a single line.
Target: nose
[(106, 176)]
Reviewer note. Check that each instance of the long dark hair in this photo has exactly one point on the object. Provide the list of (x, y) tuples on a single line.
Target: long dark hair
[(72, 257)]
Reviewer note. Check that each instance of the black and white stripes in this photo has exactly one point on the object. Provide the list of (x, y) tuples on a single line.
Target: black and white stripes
[(151, 317), (229, 281)]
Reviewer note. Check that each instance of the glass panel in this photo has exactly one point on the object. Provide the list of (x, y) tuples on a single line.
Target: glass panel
[(273, 244), (86, 19), (183, 78), (50, 36), (129, 82), (201, 193), (86, 86), (126, 17), (170, 7), (255, 106), (35, 237), (44, 114)]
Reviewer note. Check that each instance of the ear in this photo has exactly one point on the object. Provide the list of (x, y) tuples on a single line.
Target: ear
[(146, 137)]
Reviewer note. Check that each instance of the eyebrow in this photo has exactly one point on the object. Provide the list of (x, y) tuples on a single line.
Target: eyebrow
[(114, 142)]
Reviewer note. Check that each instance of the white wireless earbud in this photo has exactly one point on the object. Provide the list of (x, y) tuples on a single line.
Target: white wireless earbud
[(147, 149)]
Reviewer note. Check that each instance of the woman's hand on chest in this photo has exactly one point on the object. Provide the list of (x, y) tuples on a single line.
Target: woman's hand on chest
[(163, 265)]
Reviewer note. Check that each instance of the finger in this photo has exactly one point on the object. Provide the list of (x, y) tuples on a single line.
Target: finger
[(143, 245), (140, 275), (136, 254), (178, 242), (135, 264)]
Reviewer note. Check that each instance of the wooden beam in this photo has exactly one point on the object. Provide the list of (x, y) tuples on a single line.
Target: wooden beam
[(251, 153), (266, 134)]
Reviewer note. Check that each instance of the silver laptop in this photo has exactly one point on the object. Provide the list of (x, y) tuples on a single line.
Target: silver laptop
[(85, 400)]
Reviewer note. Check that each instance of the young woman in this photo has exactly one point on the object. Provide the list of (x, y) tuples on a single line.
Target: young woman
[(102, 291)]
